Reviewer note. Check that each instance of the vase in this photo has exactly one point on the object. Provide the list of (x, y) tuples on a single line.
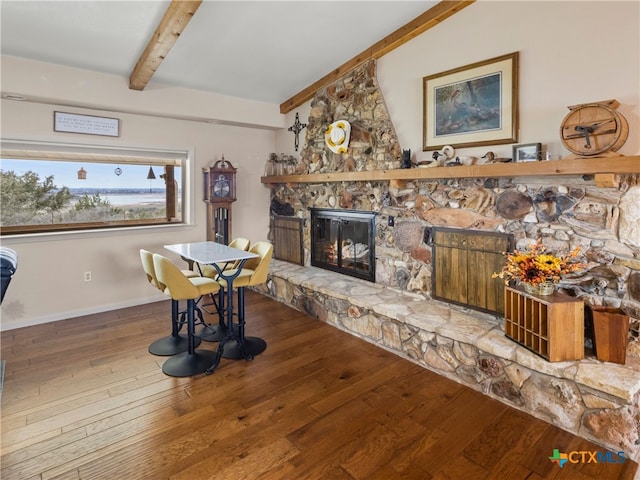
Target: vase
[(545, 288)]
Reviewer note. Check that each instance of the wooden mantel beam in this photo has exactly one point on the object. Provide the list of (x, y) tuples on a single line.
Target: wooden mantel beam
[(173, 23), (415, 27)]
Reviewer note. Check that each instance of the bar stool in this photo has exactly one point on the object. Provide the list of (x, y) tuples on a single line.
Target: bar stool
[(174, 343), (215, 333), (253, 273), (180, 287)]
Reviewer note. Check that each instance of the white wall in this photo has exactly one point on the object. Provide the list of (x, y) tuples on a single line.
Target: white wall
[(51, 83), (49, 285), (285, 140), (570, 52)]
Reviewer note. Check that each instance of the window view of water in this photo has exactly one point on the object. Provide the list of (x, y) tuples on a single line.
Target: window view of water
[(40, 192), (119, 197)]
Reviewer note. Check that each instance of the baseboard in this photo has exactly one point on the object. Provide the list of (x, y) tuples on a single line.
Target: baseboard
[(81, 312)]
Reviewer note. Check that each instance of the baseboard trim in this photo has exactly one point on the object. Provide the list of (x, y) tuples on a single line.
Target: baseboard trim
[(81, 312)]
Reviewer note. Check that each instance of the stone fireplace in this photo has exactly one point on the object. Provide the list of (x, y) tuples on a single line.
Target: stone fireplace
[(563, 212), (398, 312)]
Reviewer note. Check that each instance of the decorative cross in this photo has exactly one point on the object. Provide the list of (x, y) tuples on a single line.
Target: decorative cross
[(297, 128)]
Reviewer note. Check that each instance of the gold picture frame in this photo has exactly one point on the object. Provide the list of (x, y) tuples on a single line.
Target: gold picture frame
[(473, 105)]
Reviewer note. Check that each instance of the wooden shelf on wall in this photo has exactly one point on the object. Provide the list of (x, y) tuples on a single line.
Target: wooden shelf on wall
[(604, 167)]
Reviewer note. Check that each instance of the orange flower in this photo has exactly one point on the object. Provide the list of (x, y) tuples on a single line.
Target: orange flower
[(535, 266)]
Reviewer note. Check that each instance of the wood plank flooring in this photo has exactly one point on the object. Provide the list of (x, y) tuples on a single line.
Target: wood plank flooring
[(83, 399)]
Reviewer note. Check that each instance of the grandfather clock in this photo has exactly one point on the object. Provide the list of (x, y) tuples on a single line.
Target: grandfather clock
[(219, 194)]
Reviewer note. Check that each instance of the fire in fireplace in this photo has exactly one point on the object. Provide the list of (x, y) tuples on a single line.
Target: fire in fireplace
[(344, 241)]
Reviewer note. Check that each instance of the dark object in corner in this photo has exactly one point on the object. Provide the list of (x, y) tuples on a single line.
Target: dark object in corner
[(426, 236), (8, 267), (406, 159), (282, 209)]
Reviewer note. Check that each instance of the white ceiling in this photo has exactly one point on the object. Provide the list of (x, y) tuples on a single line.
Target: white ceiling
[(259, 50)]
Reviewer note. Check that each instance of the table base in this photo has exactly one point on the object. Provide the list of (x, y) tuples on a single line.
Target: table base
[(186, 364), (171, 345)]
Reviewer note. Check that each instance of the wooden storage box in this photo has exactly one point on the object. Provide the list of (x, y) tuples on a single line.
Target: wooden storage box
[(551, 326), (610, 332)]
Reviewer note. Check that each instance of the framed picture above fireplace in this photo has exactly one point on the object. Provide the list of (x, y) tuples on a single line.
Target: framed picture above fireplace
[(472, 105)]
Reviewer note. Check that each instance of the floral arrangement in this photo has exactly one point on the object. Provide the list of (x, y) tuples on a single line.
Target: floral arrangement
[(535, 266)]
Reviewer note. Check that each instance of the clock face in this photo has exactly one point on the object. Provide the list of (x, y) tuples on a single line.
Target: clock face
[(593, 129), (221, 187)]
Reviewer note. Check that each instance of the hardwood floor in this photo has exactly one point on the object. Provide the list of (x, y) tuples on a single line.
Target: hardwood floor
[(83, 399)]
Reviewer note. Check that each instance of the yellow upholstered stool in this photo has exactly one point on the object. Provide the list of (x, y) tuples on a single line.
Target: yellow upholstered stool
[(180, 287), (174, 343)]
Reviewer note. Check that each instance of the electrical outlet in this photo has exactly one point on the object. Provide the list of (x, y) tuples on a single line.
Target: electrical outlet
[(87, 276)]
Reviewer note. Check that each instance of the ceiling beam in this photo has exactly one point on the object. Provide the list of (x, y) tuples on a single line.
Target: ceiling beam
[(175, 20), (421, 24)]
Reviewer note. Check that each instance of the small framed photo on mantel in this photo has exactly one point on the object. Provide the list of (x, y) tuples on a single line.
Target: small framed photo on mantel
[(528, 152)]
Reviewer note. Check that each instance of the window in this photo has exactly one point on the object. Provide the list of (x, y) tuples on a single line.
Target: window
[(56, 187)]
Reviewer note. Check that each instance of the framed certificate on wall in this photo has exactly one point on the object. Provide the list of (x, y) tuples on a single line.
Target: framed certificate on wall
[(88, 124)]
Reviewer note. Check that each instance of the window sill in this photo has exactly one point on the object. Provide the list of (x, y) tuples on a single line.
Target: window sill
[(94, 232)]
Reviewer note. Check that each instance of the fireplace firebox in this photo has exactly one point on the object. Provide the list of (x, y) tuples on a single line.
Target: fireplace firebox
[(344, 241)]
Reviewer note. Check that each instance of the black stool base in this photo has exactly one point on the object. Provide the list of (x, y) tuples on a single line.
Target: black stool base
[(252, 346), (171, 345), (185, 364), (215, 333)]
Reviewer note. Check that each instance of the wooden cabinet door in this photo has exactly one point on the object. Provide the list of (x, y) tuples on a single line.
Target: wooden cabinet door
[(288, 238), (463, 262), (451, 281)]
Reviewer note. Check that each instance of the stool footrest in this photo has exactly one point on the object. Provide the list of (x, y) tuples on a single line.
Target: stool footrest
[(215, 333)]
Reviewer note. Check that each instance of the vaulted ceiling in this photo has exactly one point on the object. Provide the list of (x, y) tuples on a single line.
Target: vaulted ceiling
[(259, 50)]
